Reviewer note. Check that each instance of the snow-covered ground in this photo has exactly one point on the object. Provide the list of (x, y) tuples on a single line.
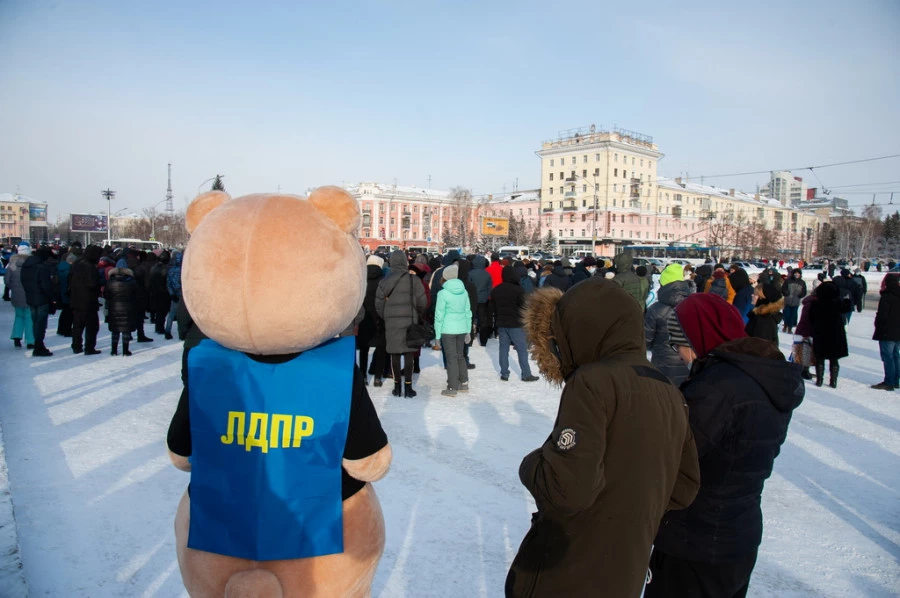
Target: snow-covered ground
[(95, 496)]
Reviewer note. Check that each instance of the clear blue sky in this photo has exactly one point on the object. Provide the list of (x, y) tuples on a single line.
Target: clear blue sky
[(97, 94)]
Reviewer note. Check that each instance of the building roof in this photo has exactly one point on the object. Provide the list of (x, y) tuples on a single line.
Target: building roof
[(717, 192), (18, 197)]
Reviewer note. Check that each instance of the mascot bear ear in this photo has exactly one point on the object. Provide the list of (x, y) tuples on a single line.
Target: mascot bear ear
[(339, 206), (202, 205)]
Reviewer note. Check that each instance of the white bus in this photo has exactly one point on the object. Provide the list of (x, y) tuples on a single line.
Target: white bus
[(134, 244)]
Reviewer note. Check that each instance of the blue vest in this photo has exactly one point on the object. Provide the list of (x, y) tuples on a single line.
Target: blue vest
[(268, 442)]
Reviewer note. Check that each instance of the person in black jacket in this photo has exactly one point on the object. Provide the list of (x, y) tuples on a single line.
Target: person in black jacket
[(887, 332), (122, 305), (584, 269), (41, 294), (793, 289), (829, 337), (84, 292), (656, 330), (558, 278), (507, 300), (465, 267), (849, 293), (371, 329), (137, 263), (765, 316), (740, 395), (160, 301), (482, 280)]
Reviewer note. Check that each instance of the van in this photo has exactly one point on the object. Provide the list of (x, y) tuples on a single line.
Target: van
[(520, 251)]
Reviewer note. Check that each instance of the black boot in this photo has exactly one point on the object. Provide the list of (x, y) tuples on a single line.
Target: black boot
[(834, 369), (805, 374), (408, 391), (125, 350), (378, 381), (396, 391), (41, 351), (17, 343), (416, 369), (143, 338), (115, 348), (820, 373)]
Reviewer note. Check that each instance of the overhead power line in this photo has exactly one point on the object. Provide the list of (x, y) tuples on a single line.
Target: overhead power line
[(819, 166)]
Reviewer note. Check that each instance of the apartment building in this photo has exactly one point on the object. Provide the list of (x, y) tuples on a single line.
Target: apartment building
[(594, 182), (412, 216), (788, 189)]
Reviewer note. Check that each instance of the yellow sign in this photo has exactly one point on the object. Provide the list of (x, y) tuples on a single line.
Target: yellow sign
[(494, 226)]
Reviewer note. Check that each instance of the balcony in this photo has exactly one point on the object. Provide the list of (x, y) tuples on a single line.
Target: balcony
[(569, 208), (676, 212), (546, 209)]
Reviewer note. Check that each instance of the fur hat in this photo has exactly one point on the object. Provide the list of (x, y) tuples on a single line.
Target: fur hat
[(24, 248), (374, 260), (451, 272)]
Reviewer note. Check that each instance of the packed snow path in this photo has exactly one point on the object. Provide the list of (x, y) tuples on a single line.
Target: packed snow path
[(95, 496)]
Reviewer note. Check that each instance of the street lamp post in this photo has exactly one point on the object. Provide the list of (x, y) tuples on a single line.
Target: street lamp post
[(109, 194), (571, 180)]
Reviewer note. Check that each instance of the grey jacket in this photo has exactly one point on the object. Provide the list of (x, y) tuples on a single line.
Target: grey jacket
[(480, 278), (656, 331), (13, 280), (393, 304)]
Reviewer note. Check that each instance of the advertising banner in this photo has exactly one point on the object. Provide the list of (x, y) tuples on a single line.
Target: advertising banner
[(37, 212), (88, 223), (498, 227)]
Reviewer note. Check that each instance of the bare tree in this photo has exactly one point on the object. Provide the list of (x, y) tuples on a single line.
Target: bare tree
[(462, 207)]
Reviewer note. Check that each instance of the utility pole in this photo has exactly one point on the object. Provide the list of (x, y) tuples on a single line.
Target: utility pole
[(109, 194), (170, 208)]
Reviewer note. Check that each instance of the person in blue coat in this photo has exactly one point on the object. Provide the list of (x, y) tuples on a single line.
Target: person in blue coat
[(64, 323)]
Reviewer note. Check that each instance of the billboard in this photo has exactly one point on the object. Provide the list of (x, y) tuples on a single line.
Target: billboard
[(88, 223), (37, 212), (498, 227)]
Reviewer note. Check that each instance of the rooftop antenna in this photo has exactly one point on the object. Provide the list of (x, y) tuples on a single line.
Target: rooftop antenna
[(170, 208), (429, 181), (890, 203)]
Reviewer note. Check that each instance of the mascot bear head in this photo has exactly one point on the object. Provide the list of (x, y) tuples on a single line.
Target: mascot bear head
[(282, 299)]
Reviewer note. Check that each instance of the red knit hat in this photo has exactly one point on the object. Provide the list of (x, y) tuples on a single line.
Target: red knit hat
[(708, 321)]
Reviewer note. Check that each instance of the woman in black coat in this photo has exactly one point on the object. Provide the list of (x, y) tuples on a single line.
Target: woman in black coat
[(121, 296), (829, 337), (371, 329), (766, 315), (887, 332), (160, 300)]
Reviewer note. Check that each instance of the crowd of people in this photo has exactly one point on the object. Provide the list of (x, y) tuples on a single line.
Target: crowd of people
[(686, 505), (133, 286)]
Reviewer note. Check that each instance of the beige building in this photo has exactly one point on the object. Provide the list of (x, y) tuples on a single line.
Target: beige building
[(15, 219), (593, 181), (601, 188)]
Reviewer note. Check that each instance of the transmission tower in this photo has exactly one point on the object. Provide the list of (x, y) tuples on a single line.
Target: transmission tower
[(170, 208)]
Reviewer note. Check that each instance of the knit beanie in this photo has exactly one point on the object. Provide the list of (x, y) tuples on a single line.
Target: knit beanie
[(374, 260), (707, 321), (451, 272), (672, 273), (24, 248), (589, 261)]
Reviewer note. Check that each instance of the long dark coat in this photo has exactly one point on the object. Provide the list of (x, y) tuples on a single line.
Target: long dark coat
[(825, 314), (156, 285), (763, 320), (656, 331), (85, 282), (371, 326), (740, 398), (620, 453), (394, 306), (121, 300)]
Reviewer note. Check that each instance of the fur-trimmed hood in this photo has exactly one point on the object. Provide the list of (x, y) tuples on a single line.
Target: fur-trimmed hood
[(769, 308), (120, 272), (567, 331)]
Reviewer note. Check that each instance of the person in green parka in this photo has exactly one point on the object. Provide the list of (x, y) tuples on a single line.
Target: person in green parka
[(452, 325)]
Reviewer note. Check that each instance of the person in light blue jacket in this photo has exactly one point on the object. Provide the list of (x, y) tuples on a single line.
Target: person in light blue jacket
[(453, 324)]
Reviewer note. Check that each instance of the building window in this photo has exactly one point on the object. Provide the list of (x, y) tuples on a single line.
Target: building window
[(551, 193), (615, 187), (584, 188), (562, 161), (642, 162), (562, 175), (585, 159), (596, 172), (624, 174), (561, 190), (615, 172), (392, 222), (551, 162), (551, 176), (529, 211), (584, 217), (560, 217), (632, 160), (584, 173), (617, 157), (582, 232), (560, 232), (573, 175), (596, 157), (596, 186), (381, 220)]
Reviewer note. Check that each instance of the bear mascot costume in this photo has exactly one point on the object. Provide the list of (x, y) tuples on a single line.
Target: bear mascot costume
[(274, 423)]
